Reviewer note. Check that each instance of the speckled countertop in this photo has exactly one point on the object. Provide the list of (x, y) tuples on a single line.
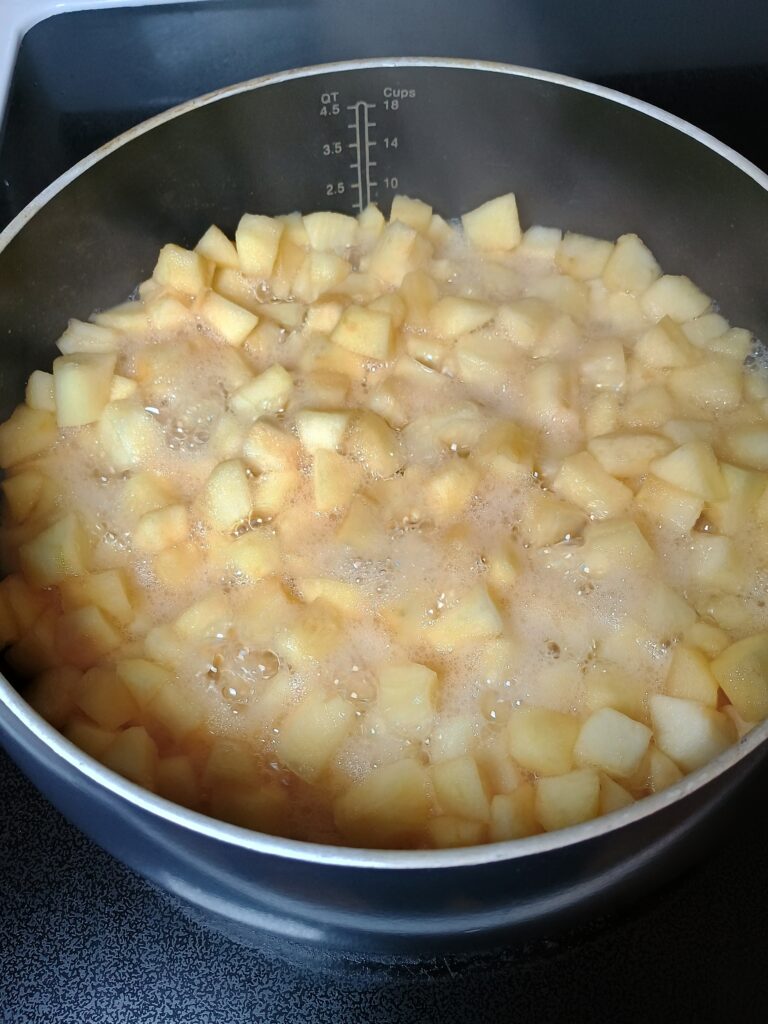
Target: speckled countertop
[(83, 940)]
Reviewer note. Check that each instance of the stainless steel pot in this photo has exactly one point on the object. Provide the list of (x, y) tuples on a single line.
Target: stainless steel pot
[(454, 133)]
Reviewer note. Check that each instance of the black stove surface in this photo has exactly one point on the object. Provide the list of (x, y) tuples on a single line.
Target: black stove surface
[(83, 939)]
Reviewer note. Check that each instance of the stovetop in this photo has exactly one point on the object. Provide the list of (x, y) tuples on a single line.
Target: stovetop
[(83, 939)]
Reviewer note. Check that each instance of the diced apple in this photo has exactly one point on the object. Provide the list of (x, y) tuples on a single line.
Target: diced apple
[(493, 226), (106, 590), (257, 239), (694, 468), (612, 742), (231, 322), (81, 336), (22, 491), (675, 297), (395, 254), (335, 479), (183, 270), (615, 545), (177, 780), (226, 498), (133, 753), (412, 212), (690, 677), (631, 266), (749, 446), (547, 520), (174, 567), (604, 364), (25, 434), (267, 448), (648, 408), (474, 617), (613, 797), (406, 698), (161, 529), (321, 430), (176, 715), (447, 831), (715, 384), (569, 799), (452, 316), (40, 391), (689, 732), (61, 550), (217, 248), (365, 331), (320, 273), (82, 384), (144, 492), (450, 489), (128, 434), (459, 789), (370, 224), (742, 672), (662, 770), (389, 808), (513, 814), (207, 619), (628, 455), (105, 699), (89, 737), (540, 243), (361, 528), (375, 444), (664, 504), (541, 740), (85, 635), (583, 257), (745, 488), (582, 481), (142, 678), (311, 733)]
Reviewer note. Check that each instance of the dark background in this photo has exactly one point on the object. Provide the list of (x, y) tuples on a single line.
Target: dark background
[(84, 940)]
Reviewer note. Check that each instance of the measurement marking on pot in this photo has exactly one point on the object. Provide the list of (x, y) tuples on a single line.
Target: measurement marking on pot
[(362, 146)]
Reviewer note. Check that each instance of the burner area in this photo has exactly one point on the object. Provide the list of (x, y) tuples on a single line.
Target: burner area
[(82, 938)]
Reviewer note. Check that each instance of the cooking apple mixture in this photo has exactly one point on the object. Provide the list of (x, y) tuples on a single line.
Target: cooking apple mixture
[(395, 533)]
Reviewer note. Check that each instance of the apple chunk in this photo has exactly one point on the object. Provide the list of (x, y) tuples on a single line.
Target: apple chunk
[(742, 672), (82, 384), (688, 732)]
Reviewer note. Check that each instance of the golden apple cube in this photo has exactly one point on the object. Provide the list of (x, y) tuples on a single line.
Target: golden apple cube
[(362, 528), (715, 562), (174, 567), (81, 336), (366, 332), (715, 384), (613, 797), (255, 555), (540, 243), (105, 699), (447, 831), (265, 809), (230, 761), (217, 248), (269, 392), (745, 489), (82, 383), (122, 387), (452, 316), (22, 491), (40, 391), (128, 434), (107, 590), (628, 455), (601, 416), (583, 257), (329, 230), (582, 481), (493, 226), (257, 239), (142, 678), (683, 431), (38, 649), (177, 780), (164, 645), (53, 692), (59, 551), (162, 528), (664, 504), (206, 619), (370, 224), (89, 737), (662, 770), (631, 266), (226, 497), (133, 753), (177, 715), (388, 808), (413, 212), (335, 480), (231, 322), (664, 346), (615, 545), (145, 492), (406, 698), (183, 270), (604, 365), (25, 434), (707, 637), (541, 740), (267, 448), (395, 254), (749, 446), (459, 789), (311, 733), (85, 635), (547, 520), (674, 296), (322, 430), (612, 742), (24, 602), (525, 321), (513, 815), (454, 736), (475, 617), (345, 597), (742, 672), (689, 732), (273, 491), (690, 676), (648, 408), (450, 489), (692, 467), (569, 799), (375, 444), (319, 273)]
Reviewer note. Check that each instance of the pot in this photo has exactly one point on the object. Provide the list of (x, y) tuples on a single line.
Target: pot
[(455, 133)]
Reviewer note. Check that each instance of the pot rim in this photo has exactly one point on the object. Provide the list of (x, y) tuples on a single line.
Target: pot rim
[(342, 856)]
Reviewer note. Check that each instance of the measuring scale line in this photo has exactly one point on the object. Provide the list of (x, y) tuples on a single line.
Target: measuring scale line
[(362, 146)]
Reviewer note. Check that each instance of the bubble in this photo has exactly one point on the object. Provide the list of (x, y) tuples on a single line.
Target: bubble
[(257, 665)]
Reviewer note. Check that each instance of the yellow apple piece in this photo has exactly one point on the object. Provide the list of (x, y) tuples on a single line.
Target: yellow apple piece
[(25, 434), (541, 740), (690, 676), (107, 590), (217, 248), (89, 737), (388, 808), (267, 448), (628, 455), (133, 753), (749, 446), (612, 742), (81, 336), (129, 435), (311, 733), (269, 392), (666, 505), (406, 698), (674, 296), (257, 240), (474, 617), (59, 551), (582, 481), (329, 230), (582, 257), (513, 815), (375, 444), (548, 520), (742, 672), (395, 254), (613, 797), (85, 635), (452, 316), (568, 799), (231, 322), (142, 678), (366, 332), (493, 226), (459, 789), (413, 212), (692, 467), (207, 619), (615, 545), (161, 528), (40, 391), (631, 266), (447, 831), (105, 699), (689, 732), (226, 498), (183, 270), (321, 429), (22, 491), (177, 780)]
